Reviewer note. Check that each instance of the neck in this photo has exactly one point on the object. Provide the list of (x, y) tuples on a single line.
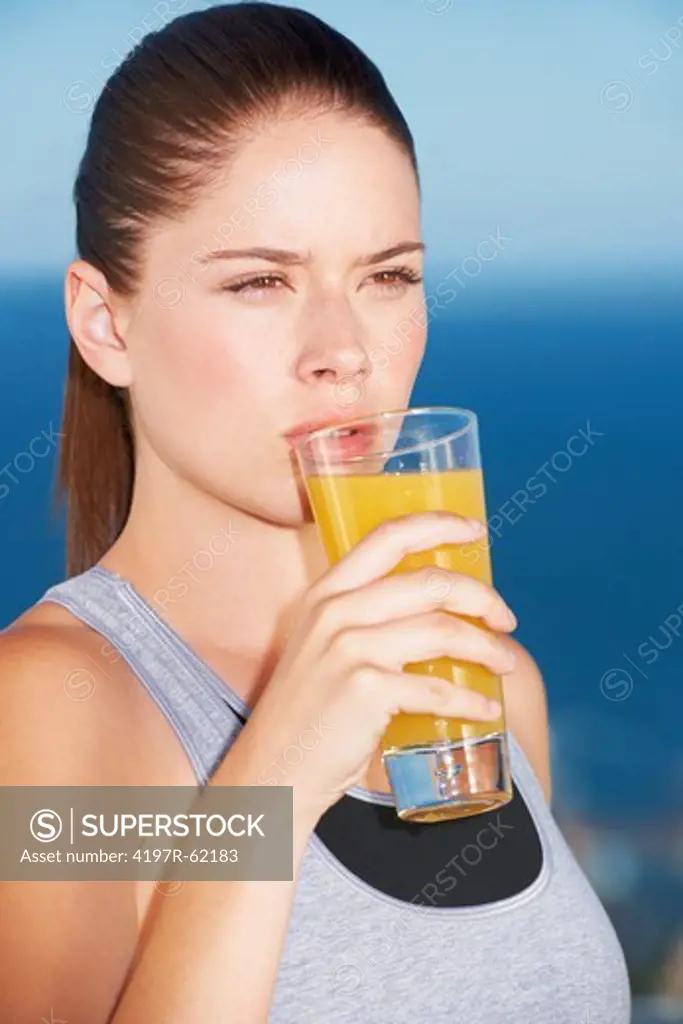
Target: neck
[(225, 580)]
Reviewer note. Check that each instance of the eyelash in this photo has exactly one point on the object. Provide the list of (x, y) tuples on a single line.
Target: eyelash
[(399, 275)]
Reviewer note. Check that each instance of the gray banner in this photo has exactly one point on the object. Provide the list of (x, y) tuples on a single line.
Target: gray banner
[(128, 833)]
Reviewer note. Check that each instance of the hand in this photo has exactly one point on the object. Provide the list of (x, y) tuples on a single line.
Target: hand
[(342, 666)]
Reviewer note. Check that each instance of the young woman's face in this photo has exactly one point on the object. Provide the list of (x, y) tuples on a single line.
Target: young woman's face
[(230, 351)]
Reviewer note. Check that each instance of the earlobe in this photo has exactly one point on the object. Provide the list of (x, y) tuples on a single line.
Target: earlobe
[(89, 314)]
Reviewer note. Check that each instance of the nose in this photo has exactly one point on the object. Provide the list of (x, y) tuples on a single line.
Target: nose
[(333, 349)]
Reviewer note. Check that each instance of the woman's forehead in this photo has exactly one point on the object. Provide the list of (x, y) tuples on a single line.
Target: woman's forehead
[(305, 186)]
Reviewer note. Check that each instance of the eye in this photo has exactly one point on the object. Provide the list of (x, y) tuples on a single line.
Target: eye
[(396, 278), (260, 283)]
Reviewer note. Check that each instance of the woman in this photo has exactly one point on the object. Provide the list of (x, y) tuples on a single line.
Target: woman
[(249, 236)]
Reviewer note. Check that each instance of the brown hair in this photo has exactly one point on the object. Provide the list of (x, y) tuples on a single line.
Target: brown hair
[(170, 115)]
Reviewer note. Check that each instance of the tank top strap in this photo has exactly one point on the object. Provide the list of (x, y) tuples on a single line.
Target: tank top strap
[(195, 701)]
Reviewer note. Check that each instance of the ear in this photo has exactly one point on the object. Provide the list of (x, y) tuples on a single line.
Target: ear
[(89, 306)]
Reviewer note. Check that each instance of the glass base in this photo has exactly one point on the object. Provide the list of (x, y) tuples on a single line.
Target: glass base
[(436, 781)]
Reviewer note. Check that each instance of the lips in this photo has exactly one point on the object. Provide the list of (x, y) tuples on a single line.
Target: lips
[(356, 439), (307, 426)]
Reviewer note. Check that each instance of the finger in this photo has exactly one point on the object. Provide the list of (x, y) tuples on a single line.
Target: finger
[(423, 637), (382, 549), (457, 592), (422, 694), (409, 593)]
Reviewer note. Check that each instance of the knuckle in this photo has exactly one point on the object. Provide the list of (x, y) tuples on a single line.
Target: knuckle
[(447, 623), (326, 613), (453, 589), (476, 639), (474, 703), (347, 645), (399, 532), (388, 528), (365, 677), (464, 696), (478, 592), (472, 697), (439, 690), (437, 583), (309, 604)]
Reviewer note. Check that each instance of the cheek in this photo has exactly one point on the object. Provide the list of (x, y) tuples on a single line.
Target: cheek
[(196, 366), (198, 391)]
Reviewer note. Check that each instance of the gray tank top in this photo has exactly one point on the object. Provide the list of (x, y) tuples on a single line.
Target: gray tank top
[(484, 920)]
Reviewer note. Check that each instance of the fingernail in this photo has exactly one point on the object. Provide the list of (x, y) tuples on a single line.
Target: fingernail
[(510, 618), (477, 525), (494, 707)]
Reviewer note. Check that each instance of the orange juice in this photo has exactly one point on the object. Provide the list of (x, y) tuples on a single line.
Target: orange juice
[(347, 507)]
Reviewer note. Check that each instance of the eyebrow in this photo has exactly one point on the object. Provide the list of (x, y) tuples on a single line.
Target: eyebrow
[(290, 258)]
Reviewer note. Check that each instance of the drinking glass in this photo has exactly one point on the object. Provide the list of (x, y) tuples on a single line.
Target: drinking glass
[(357, 475)]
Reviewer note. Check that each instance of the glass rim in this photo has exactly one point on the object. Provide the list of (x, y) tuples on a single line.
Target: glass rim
[(319, 432)]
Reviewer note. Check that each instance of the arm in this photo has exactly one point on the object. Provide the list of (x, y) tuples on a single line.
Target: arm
[(53, 960), (71, 950), (216, 946), (526, 712)]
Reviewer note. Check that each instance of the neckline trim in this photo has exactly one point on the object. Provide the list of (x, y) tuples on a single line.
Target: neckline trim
[(219, 685)]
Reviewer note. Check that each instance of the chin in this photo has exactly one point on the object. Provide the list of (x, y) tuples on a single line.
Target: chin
[(286, 506)]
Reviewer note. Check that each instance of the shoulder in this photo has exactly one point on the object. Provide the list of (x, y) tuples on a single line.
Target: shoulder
[(51, 735), (61, 717), (526, 711)]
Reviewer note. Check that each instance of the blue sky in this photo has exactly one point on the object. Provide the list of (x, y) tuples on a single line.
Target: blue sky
[(559, 123)]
